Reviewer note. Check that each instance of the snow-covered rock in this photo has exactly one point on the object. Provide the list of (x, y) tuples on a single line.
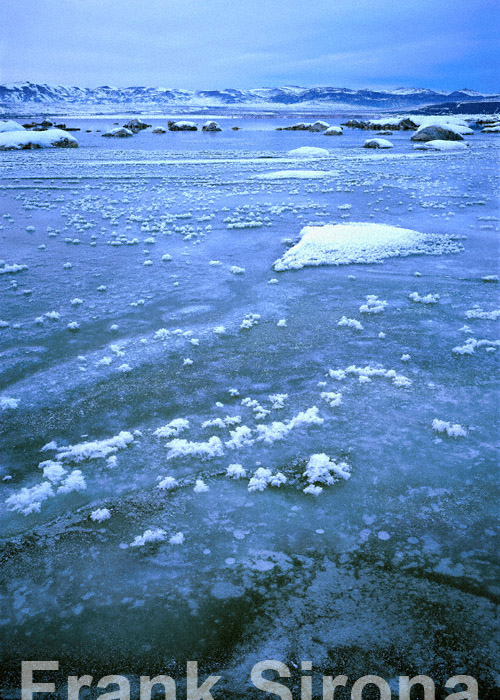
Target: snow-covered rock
[(493, 129), (377, 143), (308, 152), (136, 125), (211, 126), (306, 126), (441, 131), (23, 139), (182, 126), (10, 125), (334, 131), (319, 126), (342, 244), (159, 130), (440, 145), (119, 132)]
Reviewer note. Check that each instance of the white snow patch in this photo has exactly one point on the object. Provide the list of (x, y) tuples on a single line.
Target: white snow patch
[(100, 515), (342, 244), (350, 323), (96, 449), (426, 299), (308, 152), (204, 450), (149, 536), (454, 430), (324, 470)]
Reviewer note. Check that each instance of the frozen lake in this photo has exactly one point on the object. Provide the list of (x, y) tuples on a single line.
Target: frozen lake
[(138, 293)]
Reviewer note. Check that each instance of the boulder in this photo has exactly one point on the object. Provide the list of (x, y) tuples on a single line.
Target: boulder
[(301, 126), (404, 124), (308, 152), (377, 143), (159, 130), (334, 131), (318, 126), (439, 145), (23, 139), (120, 132), (136, 125), (306, 126), (10, 125), (182, 126), (355, 124), (211, 126), (492, 129), (439, 132)]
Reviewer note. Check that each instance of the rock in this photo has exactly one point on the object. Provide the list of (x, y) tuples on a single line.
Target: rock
[(235, 128), (46, 123), (441, 132), (319, 126), (211, 126), (377, 143), (302, 126), (493, 129), (48, 138), (136, 125), (306, 126), (10, 125), (441, 145), (404, 124), (308, 152), (159, 130), (182, 126), (119, 132), (355, 124), (334, 131)]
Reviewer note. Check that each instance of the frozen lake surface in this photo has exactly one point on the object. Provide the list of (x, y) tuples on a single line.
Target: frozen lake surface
[(149, 346)]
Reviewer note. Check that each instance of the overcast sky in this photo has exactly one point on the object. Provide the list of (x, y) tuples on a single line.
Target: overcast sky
[(212, 44)]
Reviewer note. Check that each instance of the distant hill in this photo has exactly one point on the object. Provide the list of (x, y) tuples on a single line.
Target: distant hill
[(33, 94), (472, 107)]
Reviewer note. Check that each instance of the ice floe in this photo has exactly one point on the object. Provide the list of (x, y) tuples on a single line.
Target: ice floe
[(343, 244)]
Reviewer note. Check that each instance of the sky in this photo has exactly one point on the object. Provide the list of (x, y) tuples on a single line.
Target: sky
[(216, 44)]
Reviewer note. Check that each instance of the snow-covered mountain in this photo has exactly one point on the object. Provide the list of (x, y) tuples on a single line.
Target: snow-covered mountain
[(26, 93)]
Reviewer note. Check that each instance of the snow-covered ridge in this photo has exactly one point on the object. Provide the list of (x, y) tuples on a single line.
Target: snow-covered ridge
[(27, 92)]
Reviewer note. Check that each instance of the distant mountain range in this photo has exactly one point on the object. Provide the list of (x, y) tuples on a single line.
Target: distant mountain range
[(25, 94)]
